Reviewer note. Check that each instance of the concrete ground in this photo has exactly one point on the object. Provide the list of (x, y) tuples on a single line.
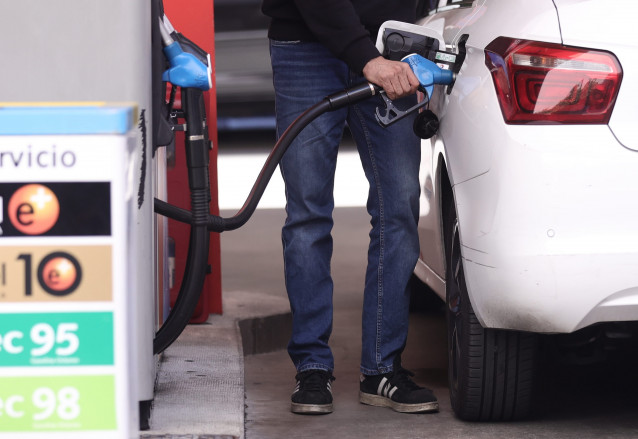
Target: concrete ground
[(232, 378)]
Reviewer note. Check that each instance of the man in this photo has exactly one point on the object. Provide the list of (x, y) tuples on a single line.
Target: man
[(319, 47)]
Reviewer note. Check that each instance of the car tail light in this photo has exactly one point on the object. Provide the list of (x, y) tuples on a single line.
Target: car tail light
[(550, 83)]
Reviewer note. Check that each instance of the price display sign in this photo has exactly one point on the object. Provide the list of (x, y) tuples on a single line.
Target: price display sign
[(66, 206), (56, 339), (57, 403), (31, 274)]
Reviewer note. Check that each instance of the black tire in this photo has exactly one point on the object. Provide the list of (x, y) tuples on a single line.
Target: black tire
[(491, 372)]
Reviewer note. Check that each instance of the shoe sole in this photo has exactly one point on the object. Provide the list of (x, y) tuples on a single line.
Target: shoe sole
[(382, 401), (311, 409)]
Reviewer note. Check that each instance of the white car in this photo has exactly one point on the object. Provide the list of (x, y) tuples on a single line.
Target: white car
[(529, 216)]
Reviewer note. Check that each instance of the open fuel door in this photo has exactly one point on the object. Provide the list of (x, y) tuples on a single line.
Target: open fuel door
[(397, 41)]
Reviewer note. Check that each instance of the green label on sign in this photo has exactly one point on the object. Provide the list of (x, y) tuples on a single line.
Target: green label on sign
[(56, 339), (57, 403)]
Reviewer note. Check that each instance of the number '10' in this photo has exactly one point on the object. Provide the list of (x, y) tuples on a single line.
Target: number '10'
[(59, 273)]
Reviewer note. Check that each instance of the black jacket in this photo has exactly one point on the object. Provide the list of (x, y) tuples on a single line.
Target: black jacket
[(348, 28)]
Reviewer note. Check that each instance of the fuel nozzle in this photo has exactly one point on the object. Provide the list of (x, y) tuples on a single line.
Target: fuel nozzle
[(428, 74), (186, 70)]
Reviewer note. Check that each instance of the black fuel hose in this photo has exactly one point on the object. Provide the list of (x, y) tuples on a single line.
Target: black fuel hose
[(197, 160), (329, 103), (202, 222)]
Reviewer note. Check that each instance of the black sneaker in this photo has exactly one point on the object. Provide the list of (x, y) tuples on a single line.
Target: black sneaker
[(397, 391), (312, 395)]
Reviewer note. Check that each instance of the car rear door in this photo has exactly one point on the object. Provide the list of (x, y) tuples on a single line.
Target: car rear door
[(461, 145)]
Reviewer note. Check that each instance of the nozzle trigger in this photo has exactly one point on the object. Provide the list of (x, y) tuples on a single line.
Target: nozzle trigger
[(394, 114)]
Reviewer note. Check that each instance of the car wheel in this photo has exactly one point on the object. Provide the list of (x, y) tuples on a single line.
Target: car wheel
[(491, 372)]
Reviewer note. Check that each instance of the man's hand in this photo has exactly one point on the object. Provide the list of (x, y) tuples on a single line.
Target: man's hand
[(395, 77)]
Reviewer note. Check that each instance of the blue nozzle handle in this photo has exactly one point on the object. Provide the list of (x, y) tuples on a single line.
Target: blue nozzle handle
[(428, 73), (186, 70)]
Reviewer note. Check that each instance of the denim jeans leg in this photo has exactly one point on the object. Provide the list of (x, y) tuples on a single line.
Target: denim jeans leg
[(303, 74), (390, 158)]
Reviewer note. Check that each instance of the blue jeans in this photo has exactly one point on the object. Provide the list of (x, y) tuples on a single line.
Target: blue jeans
[(303, 74)]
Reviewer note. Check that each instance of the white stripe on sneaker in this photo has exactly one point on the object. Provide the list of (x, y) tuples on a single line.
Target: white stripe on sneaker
[(381, 386), (386, 389)]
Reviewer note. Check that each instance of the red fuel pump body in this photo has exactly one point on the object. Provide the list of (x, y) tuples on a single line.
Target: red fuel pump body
[(194, 19)]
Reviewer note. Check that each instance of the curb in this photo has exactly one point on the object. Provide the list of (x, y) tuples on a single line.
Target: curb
[(199, 393)]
